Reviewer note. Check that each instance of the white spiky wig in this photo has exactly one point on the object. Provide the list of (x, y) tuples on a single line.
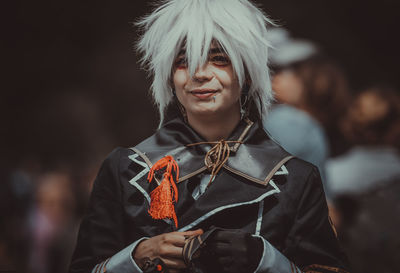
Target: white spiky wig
[(238, 26)]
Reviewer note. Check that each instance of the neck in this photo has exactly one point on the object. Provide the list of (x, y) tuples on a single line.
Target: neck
[(214, 128)]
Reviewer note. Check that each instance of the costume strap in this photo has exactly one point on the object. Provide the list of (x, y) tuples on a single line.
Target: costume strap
[(217, 156)]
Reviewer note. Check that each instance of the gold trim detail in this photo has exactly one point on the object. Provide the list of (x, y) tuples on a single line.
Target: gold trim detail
[(147, 160), (142, 155), (202, 169), (276, 168), (244, 175), (244, 133), (269, 176)]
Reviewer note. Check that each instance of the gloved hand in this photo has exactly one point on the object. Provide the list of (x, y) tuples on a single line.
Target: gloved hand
[(232, 251)]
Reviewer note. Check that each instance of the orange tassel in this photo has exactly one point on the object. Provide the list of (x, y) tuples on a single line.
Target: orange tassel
[(166, 194)]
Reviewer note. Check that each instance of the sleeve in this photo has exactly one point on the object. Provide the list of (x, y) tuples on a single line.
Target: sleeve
[(273, 261), (311, 245), (100, 245)]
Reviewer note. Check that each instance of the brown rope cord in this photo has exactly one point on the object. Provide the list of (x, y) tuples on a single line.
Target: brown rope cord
[(217, 156)]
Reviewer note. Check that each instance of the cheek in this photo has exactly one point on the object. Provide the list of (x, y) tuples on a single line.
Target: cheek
[(228, 79), (180, 79), (234, 86)]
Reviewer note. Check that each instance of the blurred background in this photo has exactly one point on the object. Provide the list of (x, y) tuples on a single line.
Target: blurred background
[(72, 91)]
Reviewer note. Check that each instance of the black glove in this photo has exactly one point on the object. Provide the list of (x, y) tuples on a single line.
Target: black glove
[(221, 250), (234, 251)]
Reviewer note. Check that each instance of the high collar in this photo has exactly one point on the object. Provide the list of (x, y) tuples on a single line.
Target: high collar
[(256, 159)]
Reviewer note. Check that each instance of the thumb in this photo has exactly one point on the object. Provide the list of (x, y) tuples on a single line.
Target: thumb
[(193, 232)]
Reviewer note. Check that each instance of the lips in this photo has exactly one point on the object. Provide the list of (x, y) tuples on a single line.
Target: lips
[(203, 93)]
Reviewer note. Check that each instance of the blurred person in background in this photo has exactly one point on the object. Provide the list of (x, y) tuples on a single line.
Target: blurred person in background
[(311, 93), (372, 125), (53, 223), (210, 173), (65, 177), (16, 199), (368, 226), (44, 196), (365, 182)]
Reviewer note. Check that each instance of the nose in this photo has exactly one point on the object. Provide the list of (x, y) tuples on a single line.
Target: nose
[(203, 73)]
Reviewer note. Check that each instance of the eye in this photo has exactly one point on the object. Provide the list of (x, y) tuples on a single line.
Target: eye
[(220, 60), (181, 62)]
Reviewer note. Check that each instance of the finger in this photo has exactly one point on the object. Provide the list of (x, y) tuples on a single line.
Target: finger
[(175, 238), (193, 232), (172, 263), (179, 238), (170, 251)]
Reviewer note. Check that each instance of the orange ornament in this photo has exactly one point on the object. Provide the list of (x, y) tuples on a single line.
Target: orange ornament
[(166, 194)]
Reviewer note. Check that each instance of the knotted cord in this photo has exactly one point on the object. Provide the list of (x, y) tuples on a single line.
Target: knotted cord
[(217, 156)]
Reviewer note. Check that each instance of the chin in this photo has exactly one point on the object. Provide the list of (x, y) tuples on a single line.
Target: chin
[(205, 112)]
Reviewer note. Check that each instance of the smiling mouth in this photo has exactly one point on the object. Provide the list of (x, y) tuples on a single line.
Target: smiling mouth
[(203, 94)]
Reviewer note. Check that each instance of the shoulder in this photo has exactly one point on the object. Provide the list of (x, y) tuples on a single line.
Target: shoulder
[(116, 158), (303, 178), (117, 153), (118, 169), (115, 163), (300, 168)]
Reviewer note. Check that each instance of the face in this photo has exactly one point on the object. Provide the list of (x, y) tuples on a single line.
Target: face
[(212, 91), (288, 87)]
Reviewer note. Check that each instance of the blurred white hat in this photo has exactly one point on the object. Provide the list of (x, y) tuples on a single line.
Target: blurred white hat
[(287, 50)]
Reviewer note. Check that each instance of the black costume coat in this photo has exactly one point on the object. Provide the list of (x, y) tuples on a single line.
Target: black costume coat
[(261, 189)]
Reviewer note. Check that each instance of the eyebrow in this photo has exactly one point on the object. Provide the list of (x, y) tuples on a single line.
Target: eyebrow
[(215, 50)]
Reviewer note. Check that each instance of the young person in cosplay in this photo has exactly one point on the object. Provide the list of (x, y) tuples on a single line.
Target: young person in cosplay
[(209, 191)]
